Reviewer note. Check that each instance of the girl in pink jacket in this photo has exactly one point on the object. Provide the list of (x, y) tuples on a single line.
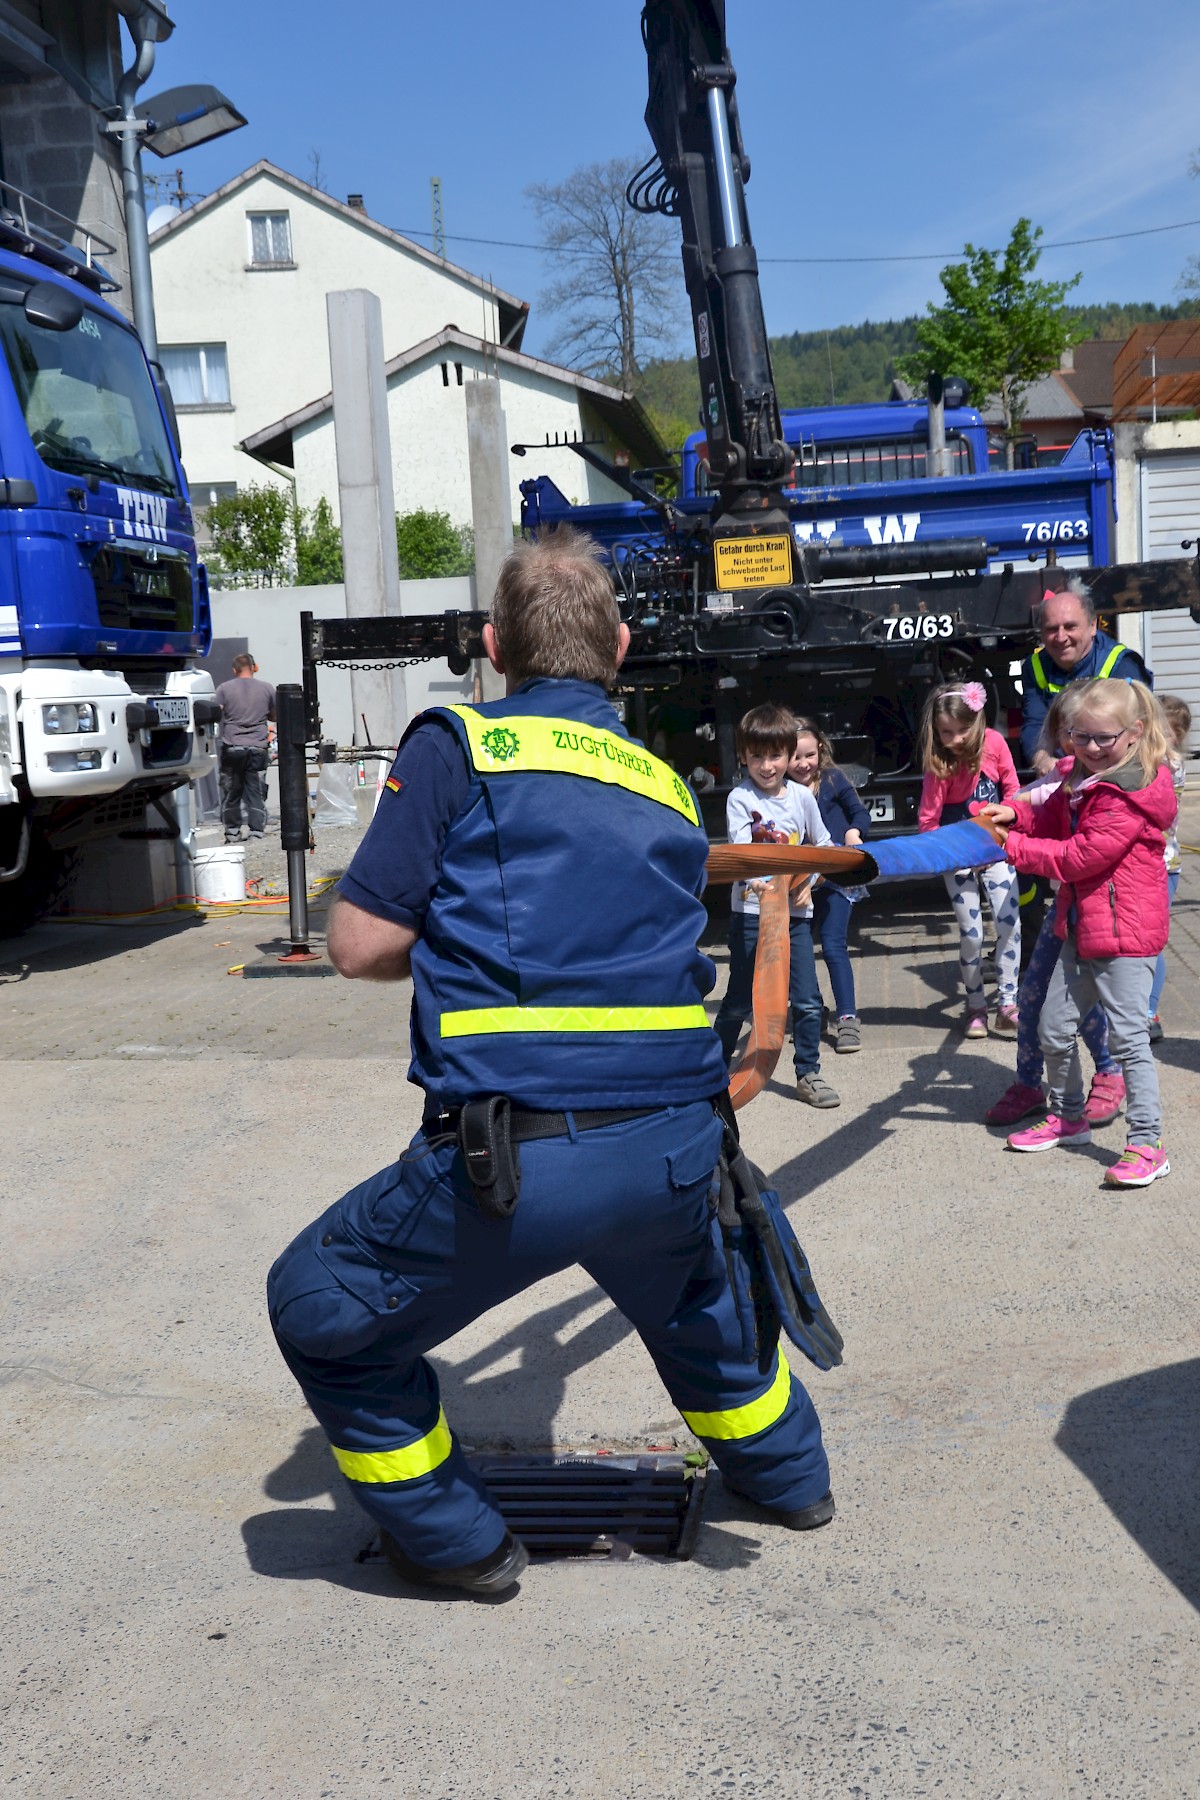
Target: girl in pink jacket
[(1101, 836), (967, 765)]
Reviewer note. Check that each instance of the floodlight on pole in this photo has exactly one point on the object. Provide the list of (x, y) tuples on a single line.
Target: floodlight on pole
[(184, 117)]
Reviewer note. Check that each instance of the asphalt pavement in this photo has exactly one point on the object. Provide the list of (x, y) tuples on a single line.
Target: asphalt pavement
[(1006, 1604)]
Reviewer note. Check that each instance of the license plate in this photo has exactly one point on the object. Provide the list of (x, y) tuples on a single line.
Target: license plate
[(880, 807), (172, 709), (752, 562)]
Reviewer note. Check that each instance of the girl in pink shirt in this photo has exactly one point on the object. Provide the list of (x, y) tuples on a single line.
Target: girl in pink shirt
[(967, 765)]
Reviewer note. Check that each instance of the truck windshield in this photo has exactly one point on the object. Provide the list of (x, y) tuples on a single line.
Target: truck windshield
[(88, 400)]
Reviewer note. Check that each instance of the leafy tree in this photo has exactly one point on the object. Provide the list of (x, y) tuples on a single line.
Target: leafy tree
[(318, 545), (864, 360), (428, 544), (619, 288), (999, 328), (251, 533)]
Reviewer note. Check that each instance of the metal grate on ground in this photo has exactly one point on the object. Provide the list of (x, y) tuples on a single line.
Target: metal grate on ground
[(594, 1506)]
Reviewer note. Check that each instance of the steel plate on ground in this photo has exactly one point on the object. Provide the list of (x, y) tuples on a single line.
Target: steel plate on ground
[(594, 1506), (597, 1505)]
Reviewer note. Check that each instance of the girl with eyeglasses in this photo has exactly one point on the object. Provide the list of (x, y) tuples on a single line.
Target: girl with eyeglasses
[(1106, 1095), (1101, 836)]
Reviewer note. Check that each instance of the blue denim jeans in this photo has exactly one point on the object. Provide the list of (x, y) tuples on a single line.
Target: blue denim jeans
[(1160, 967), (804, 994), (831, 923)]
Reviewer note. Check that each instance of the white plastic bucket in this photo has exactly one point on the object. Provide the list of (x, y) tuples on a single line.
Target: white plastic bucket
[(220, 873)]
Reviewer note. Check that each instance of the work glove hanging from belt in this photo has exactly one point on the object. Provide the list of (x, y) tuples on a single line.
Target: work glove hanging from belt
[(772, 1283)]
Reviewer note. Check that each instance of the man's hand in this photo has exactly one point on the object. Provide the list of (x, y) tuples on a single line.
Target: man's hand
[(1043, 762), (854, 838), (366, 948)]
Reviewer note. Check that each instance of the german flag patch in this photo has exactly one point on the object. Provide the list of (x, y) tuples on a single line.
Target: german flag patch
[(392, 783)]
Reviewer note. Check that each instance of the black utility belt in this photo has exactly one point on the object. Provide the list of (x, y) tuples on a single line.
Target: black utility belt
[(488, 1132)]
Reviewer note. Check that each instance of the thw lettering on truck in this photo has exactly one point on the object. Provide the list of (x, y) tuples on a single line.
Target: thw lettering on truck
[(892, 529), (889, 528), (145, 515)]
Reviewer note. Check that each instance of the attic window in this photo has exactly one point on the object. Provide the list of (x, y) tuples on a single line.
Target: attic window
[(270, 239), (458, 372), (445, 375)]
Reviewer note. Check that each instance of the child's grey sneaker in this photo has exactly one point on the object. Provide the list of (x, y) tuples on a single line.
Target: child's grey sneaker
[(849, 1035), (814, 1090)]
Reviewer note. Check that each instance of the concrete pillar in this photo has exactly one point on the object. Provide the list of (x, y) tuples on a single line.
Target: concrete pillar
[(365, 496), (491, 508)]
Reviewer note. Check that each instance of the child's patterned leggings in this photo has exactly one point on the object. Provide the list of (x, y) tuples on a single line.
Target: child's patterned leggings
[(1034, 983), (999, 882)]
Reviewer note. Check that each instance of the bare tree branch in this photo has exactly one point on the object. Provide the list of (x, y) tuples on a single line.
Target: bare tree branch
[(619, 283)]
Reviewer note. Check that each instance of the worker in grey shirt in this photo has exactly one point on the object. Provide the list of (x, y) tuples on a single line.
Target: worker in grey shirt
[(247, 713)]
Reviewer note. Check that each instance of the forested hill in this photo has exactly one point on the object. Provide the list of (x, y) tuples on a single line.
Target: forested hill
[(851, 363)]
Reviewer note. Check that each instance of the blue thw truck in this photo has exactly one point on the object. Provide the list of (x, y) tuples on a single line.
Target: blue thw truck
[(103, 602), (810, 557)]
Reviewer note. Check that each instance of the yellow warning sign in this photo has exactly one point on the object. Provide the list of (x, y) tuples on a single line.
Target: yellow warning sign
[(753, 562)]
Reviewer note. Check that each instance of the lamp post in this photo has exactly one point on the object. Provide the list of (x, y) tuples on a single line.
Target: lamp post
[(170, 122)]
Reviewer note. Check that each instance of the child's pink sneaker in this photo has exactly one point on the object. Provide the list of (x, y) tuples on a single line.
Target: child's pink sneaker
[(1137, 1166), (975, 1025), (1106, 1097), (1006, 1021), (1016, 1102), (1051, 1133)]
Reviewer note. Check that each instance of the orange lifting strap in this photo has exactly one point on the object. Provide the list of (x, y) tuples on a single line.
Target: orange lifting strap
[(785, 867)]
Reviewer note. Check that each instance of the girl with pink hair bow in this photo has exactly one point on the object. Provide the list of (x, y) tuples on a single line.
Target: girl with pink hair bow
[(968, 765)]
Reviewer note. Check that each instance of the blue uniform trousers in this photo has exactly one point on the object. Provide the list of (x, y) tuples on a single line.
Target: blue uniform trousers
[(406, 1260)]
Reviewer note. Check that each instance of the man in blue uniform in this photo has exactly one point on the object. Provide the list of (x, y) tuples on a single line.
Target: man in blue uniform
[(1073, 648), (537, 872)]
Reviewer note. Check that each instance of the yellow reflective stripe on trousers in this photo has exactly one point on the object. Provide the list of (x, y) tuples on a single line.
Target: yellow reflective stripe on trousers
[(746, 1421), (490, 1021), (526, 743), (404, 1464)]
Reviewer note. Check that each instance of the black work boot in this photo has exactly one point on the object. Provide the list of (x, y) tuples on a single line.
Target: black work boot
[(490, 1575), (807, 1518), (801, 1518)]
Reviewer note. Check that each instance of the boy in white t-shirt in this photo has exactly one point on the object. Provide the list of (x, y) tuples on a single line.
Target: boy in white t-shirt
[(766, 808)]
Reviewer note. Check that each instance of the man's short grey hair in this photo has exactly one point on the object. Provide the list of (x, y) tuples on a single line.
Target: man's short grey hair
[(1075, 586), (555, 610)]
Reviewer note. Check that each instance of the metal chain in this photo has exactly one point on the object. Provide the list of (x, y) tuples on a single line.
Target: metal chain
[(410, 662)]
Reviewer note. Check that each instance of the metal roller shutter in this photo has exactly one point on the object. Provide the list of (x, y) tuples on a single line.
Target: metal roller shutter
[(1171, 511)]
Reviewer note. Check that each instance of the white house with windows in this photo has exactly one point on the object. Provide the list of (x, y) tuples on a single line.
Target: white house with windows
[(427, 419), (239, 284)]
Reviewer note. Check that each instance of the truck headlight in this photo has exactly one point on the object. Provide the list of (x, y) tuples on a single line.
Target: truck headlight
[(66, 717)]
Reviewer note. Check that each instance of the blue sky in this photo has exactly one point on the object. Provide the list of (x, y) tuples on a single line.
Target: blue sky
[(874, 128)]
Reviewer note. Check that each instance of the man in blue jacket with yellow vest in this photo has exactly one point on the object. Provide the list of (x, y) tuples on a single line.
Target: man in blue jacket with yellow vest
[(538, 873), (1073, 648)]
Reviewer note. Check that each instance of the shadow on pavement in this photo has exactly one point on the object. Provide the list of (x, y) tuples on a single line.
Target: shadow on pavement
[(1179, 1053), (515, 1407), (939, 1087), (56, 945), (1138, 1443), (295, 1542)]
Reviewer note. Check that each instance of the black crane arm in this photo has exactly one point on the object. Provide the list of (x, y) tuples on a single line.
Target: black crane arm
[(698, 175)]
